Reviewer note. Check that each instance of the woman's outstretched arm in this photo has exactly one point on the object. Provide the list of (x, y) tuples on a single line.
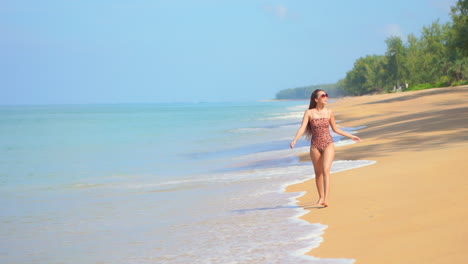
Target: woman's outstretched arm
[(302, 129), (339, 131)]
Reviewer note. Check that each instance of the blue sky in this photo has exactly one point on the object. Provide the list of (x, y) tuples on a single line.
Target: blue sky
[(103, 51)]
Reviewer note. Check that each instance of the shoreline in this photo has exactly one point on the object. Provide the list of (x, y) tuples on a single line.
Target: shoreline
[(415, 137)]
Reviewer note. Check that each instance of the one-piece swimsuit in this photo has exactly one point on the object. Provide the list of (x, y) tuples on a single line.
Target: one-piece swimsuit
[(321, 136)]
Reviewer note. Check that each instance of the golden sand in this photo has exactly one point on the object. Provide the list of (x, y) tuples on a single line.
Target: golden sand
[(409, 207)]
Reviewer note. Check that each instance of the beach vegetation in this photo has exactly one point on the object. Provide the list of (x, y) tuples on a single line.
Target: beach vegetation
[(460, 26), (458, 83), (438, 58), (368, 76), (421, 63), (421, 86)]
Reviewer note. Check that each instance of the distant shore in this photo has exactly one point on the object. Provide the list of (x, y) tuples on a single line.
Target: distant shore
[(409, 207), (279, 100)]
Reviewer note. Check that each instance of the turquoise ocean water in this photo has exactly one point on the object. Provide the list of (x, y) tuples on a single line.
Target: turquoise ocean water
[(155, 183)]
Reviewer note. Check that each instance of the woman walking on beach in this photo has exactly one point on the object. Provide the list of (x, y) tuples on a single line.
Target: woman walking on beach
[(315, 124)]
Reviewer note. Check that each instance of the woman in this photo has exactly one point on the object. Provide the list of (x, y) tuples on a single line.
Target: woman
[(316, 122)]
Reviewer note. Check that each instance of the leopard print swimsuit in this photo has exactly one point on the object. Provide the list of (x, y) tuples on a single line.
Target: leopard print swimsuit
[(321, 136)]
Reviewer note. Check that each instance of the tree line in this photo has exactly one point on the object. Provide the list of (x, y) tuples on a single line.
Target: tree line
[(334, 90), (438, 58)]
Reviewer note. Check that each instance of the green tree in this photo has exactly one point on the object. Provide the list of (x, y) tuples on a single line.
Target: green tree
[(367, 76), (459, 69), (396, 61), (434, 52), (460, 26), (414, 60)]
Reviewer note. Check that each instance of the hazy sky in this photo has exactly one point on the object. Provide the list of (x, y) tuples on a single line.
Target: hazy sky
[(116, 51)]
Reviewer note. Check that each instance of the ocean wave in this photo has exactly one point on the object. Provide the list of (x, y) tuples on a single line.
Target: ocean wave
[(238, 176), (258, 129), (298, 108), (247, 129), (290, 115)]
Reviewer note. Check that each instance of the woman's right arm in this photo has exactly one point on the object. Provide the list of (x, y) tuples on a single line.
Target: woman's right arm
[(305, 122)]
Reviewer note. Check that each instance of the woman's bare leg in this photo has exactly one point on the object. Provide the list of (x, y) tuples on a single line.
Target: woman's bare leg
[(327, 158), (317, 160)]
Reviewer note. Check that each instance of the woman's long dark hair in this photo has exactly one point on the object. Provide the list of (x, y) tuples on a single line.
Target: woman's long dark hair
[(312, 105)]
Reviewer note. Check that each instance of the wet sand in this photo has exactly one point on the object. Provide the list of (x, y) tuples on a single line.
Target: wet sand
[(409, 207)]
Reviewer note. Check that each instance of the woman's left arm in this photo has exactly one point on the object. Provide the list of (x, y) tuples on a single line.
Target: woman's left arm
[(339, 131)]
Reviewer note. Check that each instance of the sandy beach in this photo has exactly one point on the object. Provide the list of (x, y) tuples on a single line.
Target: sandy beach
[(409, 207)]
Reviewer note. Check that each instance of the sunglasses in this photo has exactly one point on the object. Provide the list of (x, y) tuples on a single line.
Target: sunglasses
[(323, 95)]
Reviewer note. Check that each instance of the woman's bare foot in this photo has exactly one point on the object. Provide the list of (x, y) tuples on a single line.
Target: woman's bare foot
[(319, 202), (325, 204)]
